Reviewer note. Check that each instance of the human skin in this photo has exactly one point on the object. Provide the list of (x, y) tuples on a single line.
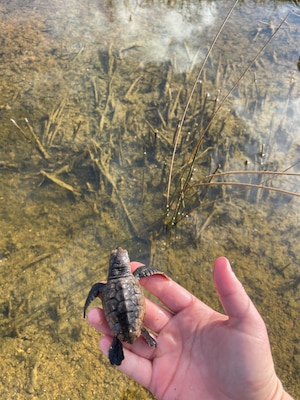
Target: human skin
[(201, 353)]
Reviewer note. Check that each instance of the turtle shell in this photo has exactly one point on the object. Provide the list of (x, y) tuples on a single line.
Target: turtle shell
[(124, 307)]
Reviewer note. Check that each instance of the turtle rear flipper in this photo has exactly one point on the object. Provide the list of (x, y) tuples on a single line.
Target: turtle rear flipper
[(149, 339), (115, 353), (94, 292)]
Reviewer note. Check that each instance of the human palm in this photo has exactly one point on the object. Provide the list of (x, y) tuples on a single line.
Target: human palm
[(200, 354)]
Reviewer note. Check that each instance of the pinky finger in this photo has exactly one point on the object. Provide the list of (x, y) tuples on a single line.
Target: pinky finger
[(134, 366)]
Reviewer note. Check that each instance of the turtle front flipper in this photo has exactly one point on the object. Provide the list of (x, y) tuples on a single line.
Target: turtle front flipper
[(94, 292), (143, 272), (115, 353)]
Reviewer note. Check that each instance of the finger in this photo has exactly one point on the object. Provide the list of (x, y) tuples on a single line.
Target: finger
[(97, 319), (156, 316), (138, 368), (172, 295), (234, 299)]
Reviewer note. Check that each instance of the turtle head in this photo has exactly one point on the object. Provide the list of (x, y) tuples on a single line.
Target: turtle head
[(119, 263)]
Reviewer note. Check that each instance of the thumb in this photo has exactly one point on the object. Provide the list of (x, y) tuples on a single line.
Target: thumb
[(234, 299)]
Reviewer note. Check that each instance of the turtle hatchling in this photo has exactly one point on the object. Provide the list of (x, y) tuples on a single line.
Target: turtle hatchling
[(123, 302)]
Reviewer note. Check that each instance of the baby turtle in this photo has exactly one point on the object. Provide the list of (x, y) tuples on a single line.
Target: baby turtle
[(123, 302)]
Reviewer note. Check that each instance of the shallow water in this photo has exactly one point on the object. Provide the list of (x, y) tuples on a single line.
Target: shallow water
[(103, 88)]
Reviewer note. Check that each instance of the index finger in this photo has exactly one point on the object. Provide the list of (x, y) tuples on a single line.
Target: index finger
[(172, 295)]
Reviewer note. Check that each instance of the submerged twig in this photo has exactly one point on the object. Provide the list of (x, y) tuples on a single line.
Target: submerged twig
[(106, 106), (37, 260), (39, 145), (36, 140), (53, 178), (23, 133), (76, 129), (131, 87)]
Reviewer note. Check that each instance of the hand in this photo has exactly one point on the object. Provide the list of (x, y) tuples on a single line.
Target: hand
[(200, 354)]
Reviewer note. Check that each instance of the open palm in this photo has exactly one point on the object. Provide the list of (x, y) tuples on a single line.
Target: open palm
[(200, 354)]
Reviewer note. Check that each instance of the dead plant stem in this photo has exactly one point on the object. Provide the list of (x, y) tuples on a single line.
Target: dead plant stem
[(193, 155), (249, 185), (181, 122)]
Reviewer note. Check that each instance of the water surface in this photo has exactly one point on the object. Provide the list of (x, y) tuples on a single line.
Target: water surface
[(103, 87)]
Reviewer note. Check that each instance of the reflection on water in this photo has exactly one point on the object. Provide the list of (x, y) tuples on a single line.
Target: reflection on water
[(103, 88)]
